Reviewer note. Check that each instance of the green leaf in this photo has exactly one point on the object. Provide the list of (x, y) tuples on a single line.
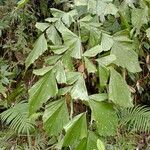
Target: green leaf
[(21, 3), (52, 59), (72, 77), (93, 51), (105, 117), (139, 17), (71, 40), (55, 117), (88, 143), (107, 60), (79, 90), (106, 42), (39, 48), (41, 91), (148, 33), (59, 49), (60, 73), (126, 56), (103, 76), (100, 145), (118, 90), (53, 35), (42, 71), (99, 97), (89, 66), (76, 130), (42, 26)]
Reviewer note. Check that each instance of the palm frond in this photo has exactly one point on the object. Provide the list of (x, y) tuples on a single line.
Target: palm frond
[(135, 118), (17, 118)]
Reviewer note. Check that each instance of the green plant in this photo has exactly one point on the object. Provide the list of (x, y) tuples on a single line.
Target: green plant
[(84, 64)]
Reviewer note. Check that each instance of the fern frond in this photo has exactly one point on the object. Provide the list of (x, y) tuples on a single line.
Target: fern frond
[(135, 118), (17, 118)]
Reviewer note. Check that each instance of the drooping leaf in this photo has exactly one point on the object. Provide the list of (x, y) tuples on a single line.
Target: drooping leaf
[(42, 71), (139, 17), (42, 26), (53, 35), (71, 40), (103, 76), (41, 91), (79, 90), (55, 117), (76, 130), (59, 49), (118, 90), (88, 143), (99, 97), (39, 48), (107, 60), (60, 73), (126, 57), (105, 117), (93, 51), (89, 66), (106, 42)]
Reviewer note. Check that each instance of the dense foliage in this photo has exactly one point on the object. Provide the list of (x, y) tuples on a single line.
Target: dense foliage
[(75, 74)]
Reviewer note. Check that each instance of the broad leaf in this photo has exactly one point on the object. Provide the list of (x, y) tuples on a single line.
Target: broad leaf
[(88, 143), (42, 26), (53, 35), (39, 48), (71, 40), (89, 66), (107, 60), (105, 117), (126, 57), (93, 51), (106, 42), (79, 90), (118, 90), (41, 91), (60, 73), (99, 97), (75, 130), (55, 117), (42, 71), (59, 49)]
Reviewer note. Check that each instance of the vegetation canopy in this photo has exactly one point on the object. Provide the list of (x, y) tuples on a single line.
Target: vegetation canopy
[(74, 74)]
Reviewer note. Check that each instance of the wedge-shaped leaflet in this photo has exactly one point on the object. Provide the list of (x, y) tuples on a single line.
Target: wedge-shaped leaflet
[(59, 49), (39, 48), (71, 40), (41, 91), (42, 26), (106, 42), (60, 72), (42, 71), (88, 143), (92, 52), (118, 90), (107, 60), (79, 90), (126, 57), (75, 130), (91, 68), (105, 117), (53, 35), (55, 117)]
